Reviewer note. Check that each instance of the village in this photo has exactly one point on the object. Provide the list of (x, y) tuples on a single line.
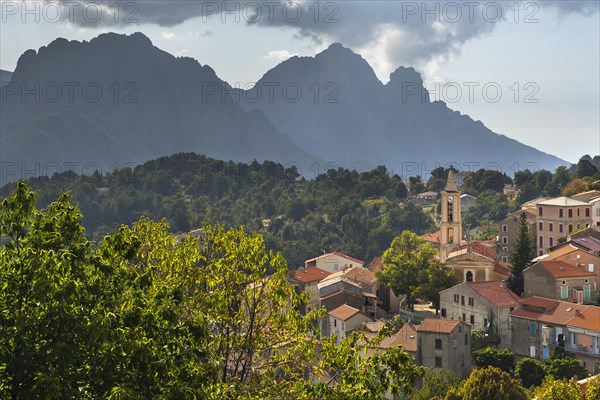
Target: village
[(556, 311)]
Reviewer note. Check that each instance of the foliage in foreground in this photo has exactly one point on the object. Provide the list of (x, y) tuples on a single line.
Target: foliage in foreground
[(488, 384), (142, 315)]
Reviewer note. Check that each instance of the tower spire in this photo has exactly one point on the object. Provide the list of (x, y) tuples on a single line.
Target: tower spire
[(451, 183)]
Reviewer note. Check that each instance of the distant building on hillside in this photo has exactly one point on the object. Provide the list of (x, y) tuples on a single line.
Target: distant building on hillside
[(307, 280), (466, 201), (559, 280), (345, 319), (333, 262)]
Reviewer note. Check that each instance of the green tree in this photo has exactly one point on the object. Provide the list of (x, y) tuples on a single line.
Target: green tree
[(404, 263), (592, 389), (522, 253), (585, 169), (530, 372), (557, 389), (565, 368), (488, 384), (436, 383), (489, 357), (433, 280)]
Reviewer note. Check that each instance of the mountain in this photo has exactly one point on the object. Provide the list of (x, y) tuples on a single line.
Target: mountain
[(118, 100), (4, 77), (347, 115)]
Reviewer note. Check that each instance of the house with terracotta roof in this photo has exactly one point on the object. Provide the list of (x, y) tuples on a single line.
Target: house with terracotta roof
[(363, 276), (583, 338), (483, 305), (344, 319), (560, 280), (333, 262), (307, 279), (341, 290), (444, 344), (582, 252), (539, 325)]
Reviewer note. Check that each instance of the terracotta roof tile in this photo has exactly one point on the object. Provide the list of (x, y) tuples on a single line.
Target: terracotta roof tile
[(588, 319), (496, 293), (588, 242), (560, 269), (540, 302), (562, 313), (356, 274), (406, 336), (432, 237), (438, 325), (344, 312), (376, 264), (310, 274)]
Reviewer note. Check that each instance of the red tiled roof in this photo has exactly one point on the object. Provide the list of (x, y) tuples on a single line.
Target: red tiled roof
[(310, 274), (337, 253), (534, 307), (432, 237), (406, 336), (501, 267), (438, 325), (560, 269), (562, 313), (376, 264), (344, 312), (496, 293), (356, 274), (588, 319)]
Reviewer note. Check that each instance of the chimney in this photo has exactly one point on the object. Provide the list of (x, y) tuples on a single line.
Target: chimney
[(578, 312)]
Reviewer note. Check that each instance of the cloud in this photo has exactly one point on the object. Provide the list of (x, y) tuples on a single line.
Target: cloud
[(388, 33), (168, 35), (279, 55)]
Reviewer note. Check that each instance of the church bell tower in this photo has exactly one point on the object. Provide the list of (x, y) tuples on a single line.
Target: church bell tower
[(451, 228)]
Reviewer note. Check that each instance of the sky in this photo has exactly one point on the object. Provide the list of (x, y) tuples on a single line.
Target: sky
[(527, 69)]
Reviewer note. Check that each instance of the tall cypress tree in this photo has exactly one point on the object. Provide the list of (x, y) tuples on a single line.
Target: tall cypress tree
[(522, 253)]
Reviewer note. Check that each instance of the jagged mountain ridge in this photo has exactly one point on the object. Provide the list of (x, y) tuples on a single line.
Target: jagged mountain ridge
[(154, 104), (149, 104), (393, 124)]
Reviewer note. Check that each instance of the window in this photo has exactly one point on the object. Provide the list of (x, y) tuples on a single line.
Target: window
[(591, 267), (570, 228), (438, 344), (532, 329), (570, 213), (541, 241), (469, 279), (578, 212), (336, 267), (472, 319), (464, 318), (471, 301), (532, 351), (560, 228), (586, 293), (550, 226), (504, 228), (504, 240), (560, 213), (438, 362), (462, 300), (564, 292), (540, 211), (541, 226), (505, 249), (466, 338), (551, 242), (485, 323), (505, 258), (456, 298), (444, 312)]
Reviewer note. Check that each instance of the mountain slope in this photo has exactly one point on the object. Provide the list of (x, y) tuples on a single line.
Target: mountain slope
[(394, 124), (118, 99), (4, 77)]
